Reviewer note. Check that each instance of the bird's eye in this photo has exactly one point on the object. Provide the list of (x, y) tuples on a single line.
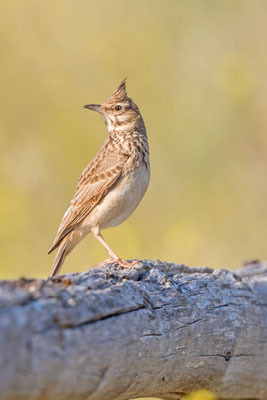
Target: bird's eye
[(118, 108)]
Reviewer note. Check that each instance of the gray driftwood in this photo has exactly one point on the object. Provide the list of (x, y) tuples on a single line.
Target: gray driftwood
[(158, 329)]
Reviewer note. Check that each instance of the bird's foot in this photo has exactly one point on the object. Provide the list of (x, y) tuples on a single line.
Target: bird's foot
[(127, 264), (109, 261), (120, 262)]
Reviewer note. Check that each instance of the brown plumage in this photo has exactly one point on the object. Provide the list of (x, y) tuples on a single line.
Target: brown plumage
[(113, 184)]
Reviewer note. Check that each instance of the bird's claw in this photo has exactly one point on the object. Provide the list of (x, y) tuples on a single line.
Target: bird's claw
[(120, 262)]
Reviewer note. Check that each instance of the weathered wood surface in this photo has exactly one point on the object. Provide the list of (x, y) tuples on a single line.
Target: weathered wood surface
[(158, 329)]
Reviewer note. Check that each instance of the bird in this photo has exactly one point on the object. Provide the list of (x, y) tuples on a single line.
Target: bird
[(113, 183)]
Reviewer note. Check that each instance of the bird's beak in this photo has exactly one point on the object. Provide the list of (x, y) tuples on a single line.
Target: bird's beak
[(94, 107)]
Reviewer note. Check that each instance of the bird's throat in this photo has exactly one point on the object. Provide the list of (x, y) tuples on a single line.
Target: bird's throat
[(119, 125)]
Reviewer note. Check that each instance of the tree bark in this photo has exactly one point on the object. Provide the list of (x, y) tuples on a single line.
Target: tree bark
[(157, 329)]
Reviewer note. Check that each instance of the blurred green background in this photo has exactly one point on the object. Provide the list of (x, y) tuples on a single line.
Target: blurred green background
[(197, 70)]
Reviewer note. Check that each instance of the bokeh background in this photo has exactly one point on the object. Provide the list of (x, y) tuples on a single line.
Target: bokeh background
[(197, 70)]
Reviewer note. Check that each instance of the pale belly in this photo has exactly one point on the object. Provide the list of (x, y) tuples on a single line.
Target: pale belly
[(120, 202)]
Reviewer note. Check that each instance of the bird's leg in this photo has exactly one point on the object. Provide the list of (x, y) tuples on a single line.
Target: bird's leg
[(113, 256), (111, 253)]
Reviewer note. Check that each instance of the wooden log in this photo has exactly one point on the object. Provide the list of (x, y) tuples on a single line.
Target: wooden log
[(158, 329)]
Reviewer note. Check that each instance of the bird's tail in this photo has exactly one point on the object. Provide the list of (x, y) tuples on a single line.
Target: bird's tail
[(60, 257)]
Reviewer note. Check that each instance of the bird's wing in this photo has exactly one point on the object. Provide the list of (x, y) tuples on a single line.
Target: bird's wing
[(94, 183)]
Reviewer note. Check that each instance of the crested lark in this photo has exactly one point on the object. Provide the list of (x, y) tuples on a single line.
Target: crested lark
[(113, 184)]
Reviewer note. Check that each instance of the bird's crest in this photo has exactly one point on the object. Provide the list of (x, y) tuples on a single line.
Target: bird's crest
[(120, 93)]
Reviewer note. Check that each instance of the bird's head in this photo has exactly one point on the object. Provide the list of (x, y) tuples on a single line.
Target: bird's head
[(118, 111)]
